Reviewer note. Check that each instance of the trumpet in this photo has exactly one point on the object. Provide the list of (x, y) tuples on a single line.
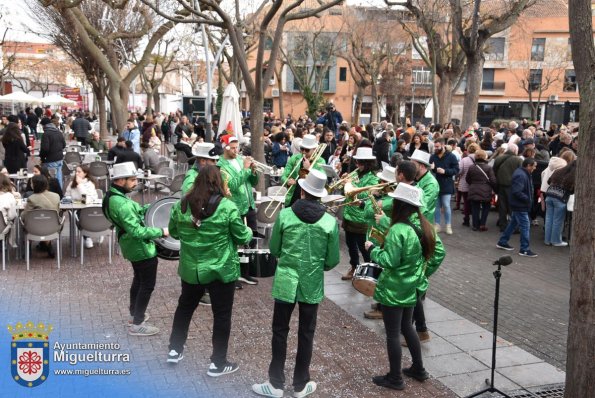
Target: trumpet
[(377, 187), (261, 167), (340, 183), (313, 159)]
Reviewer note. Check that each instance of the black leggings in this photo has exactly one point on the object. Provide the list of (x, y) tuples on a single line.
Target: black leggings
[(143, 283), (355, 245), (398, 319)]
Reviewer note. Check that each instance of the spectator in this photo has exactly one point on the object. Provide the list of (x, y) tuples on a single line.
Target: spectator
[(520, 199), (53, 184), (42, 198), (83, 187), (150, 157), (417, 143), (481, 180), (8, 205), (504, 166), (331, 145), (132, 134), (331, 119), (81, 127), (445, 167), (115, 151), (561, 186), (32, 121), (183, 128), (280, 152), (129, 155), (97, 143), (381, 148), (464, 165), (52, 147), (16, 152)]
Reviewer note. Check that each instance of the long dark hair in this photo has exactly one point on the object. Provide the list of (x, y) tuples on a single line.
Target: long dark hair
[(207, 183), (12, 133), (85, 169), (401, 213), (564, 177)]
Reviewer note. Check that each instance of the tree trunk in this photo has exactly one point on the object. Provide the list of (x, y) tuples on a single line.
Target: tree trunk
[(157, 101), (358, 105), (119, 105), (474, 73), (279, 84), (580, 366), (102, 115), (374, 115), (257, 126), (445, 98), (435, 100), (149, 102)]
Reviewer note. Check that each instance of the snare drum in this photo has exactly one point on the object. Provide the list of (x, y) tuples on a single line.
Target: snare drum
[(261, 264), (157, 216), (366, 277)]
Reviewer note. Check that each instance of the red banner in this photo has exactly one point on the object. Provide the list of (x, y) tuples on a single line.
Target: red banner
[(73, 94)]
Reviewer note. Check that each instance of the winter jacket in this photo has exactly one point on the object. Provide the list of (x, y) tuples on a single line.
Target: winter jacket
[(189, 179), (86, 188), (353, 216), (239, 182), (555, 164), (15, 157), (280, 156), (430, 188), (464, 165), (52, 144), (81, 127), (287, 173), (504, 166), (329, 151), (132, 136), (128, 155), (135, 239), (306, 240), (450, 164), (209, 252), (405, 270), (521, 191), (150, 160), (481, 181)]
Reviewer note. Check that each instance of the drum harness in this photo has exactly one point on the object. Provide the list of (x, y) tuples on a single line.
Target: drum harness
[(105, 210), (207, 212)]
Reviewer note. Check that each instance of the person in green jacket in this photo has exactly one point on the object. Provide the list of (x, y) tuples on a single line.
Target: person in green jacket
[(239, 176), (409, 255), (354, 223), (292, 169), (306, 240), (136, 243), (205, 154), (209, 228), (426, 182)]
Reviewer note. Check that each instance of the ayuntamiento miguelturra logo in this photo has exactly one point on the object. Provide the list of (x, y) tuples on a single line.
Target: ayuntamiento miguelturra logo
[(30, 353)]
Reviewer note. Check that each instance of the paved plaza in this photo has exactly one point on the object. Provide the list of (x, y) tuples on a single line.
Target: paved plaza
[(88, 305)]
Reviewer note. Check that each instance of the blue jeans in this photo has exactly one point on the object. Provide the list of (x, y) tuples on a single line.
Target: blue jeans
[(518, 219), (555, 213), (57, 165), (443, 202)]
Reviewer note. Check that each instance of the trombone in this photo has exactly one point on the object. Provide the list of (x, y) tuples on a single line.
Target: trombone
[(340, 183), (356, 191), (313, 159)]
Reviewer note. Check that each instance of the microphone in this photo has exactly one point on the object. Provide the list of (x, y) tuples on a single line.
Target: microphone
[(504, 260)]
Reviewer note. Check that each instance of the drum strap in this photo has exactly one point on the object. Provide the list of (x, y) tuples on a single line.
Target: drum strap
[(105, 210), (417, 230), (205, 212)]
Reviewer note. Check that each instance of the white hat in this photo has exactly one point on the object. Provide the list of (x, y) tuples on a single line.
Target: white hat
[(204, 150), (364, 153), (314, 183), (309, 142), (387, 174), (123, 170), (421, 157), (408, 194)]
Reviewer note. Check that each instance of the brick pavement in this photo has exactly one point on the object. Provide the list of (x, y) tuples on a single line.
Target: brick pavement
[(88, 304), (534, 292)]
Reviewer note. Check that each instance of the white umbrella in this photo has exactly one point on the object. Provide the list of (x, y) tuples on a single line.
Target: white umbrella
[(19, 97), (230, 112), (56, 99)]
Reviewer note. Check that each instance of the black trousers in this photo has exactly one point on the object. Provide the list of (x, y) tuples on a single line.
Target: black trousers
[(419, 316), (355, 245), (307, 326), (143, 283), (480, 211), (399, 319), (222, 295)]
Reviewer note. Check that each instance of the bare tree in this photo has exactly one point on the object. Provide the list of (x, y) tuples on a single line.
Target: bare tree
[(270, 17), (161, 63), (486, 21), (7, 60), (105, 41), (580, 366)]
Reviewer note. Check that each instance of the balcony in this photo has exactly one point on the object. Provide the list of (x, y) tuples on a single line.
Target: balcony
[(493, 88)]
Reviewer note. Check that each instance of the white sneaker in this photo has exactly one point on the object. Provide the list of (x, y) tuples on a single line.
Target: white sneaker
[(88, 243), (131, 319), (437, 228), (561, 244), (266, 389), (142, 330), (308, 389), (448, 229)]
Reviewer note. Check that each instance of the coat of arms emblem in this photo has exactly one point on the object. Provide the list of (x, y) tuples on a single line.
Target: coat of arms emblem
[(30, 359)]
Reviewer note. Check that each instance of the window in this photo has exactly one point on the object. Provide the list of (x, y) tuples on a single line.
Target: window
[(325, 79), (300, 76), (267, 105), (487, 79), (570, 80), (535, 79), (301, 47), (421, 76), (494, 50), (538, 49), (423, 43), (342, 74)]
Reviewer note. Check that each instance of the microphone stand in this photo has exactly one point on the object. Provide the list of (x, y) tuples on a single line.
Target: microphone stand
[(497, 274)]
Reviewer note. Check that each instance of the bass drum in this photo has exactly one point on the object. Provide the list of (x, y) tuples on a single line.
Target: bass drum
[(157, 216), (261, 264)]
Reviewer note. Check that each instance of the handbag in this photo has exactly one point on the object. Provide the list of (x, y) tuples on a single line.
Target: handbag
[(558, 192)]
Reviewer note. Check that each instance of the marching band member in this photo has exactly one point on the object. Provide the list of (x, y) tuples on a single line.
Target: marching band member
[(239, 175), (205, 154), (306, 240), (410, 253), (353, 216), (136, 242), (429, 185), (307, 146), (209, 228)]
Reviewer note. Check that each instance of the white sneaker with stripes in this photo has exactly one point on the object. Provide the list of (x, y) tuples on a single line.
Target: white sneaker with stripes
[(266, 389), (308, 389), (227, 368)]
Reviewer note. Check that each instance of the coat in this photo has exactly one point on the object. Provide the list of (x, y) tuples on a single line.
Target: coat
[(135, 239), (405, 270), (521, 191), (504, 166), (287, 173), (464, 165), (305, 248), (430, 188), (209, 253), (81, 127), (480, 186), (355, 214), (15, 157), (240, 184), (45, 200), (52, 144), (87, 188), (450, 164), (189, 179), (8, 206)]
